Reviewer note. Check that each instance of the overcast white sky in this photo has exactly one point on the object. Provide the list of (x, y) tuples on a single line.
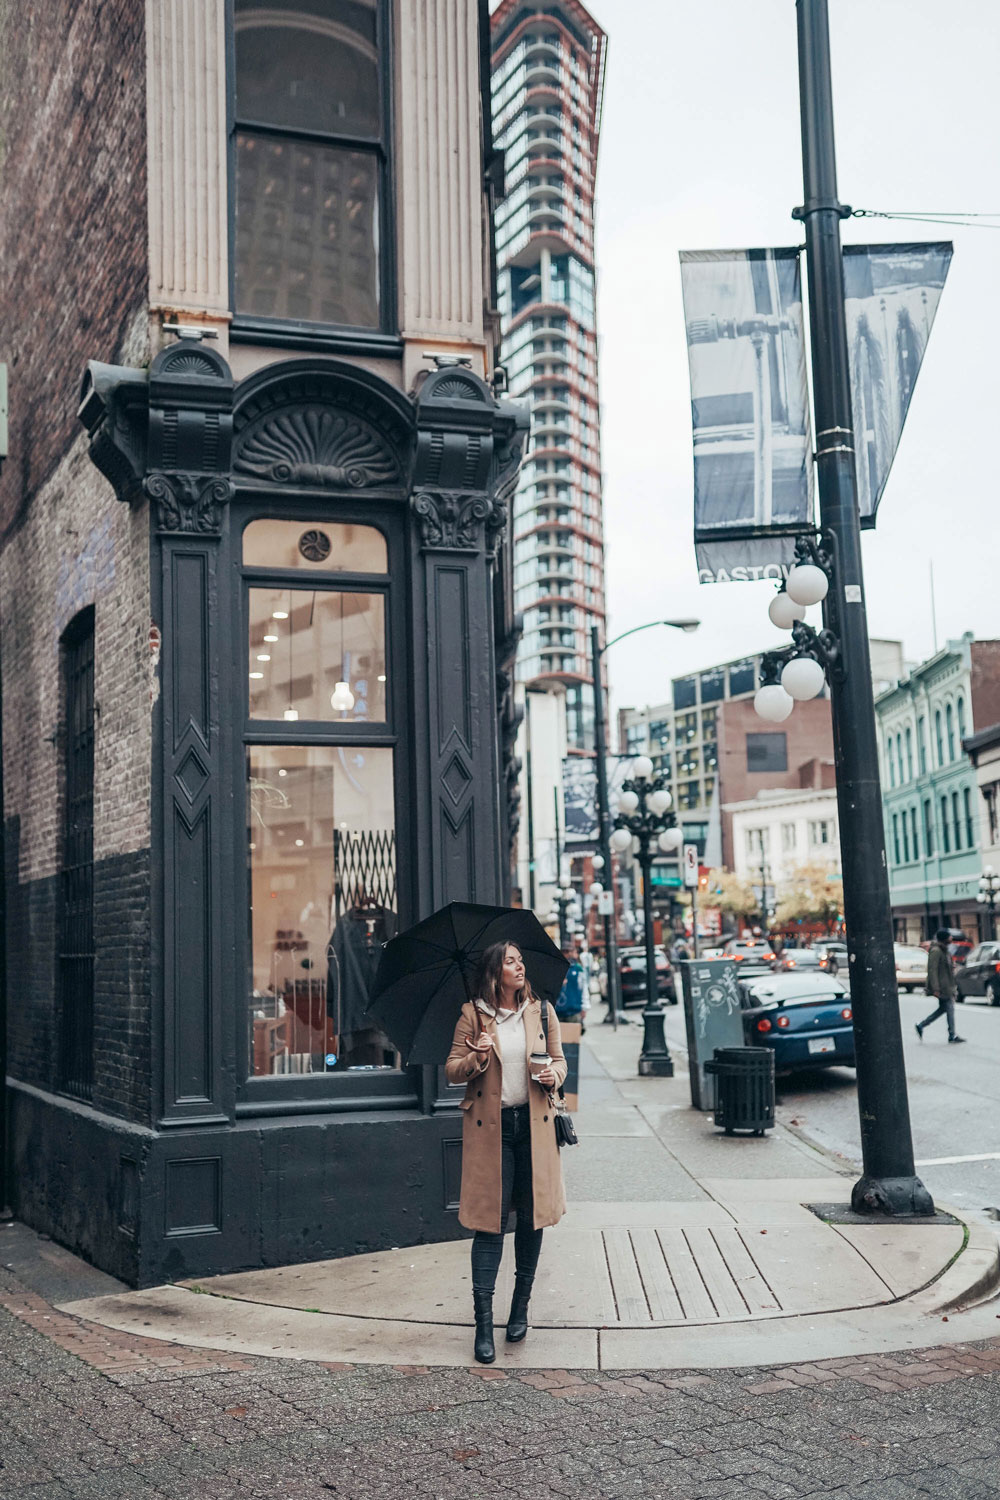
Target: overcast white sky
[(700, 149)]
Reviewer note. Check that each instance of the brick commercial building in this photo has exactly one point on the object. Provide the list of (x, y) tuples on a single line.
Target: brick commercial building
[(709, 742), (256, 613)]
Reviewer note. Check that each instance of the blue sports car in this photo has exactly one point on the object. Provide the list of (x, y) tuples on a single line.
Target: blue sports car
[(805, 1017)]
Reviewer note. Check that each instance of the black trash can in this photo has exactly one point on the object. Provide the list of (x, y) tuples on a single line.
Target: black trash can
[(744, 1088)]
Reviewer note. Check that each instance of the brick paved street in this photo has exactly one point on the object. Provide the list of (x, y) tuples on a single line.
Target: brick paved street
[(93, 1413)]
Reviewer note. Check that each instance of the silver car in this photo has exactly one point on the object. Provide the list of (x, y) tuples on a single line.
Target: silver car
[(911, 967)]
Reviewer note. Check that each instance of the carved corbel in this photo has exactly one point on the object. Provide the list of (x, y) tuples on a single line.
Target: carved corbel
[(165, 434), (467, 456)]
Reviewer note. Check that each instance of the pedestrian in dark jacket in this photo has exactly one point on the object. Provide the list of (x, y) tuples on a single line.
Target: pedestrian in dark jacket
[(941, 984)]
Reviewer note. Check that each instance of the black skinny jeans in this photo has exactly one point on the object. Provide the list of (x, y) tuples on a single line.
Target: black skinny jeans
[(515, 1192)]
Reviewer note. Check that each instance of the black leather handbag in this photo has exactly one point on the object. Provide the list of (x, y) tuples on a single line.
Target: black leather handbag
[(565, 1130)]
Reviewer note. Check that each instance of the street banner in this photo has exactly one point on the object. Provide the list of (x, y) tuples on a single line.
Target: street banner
[(891, 293), (753, 484), (579, 779)]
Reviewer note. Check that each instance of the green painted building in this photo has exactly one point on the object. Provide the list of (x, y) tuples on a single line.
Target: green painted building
[(931, 801)]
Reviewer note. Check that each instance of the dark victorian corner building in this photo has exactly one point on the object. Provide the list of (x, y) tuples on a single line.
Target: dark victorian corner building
[(257, 645)]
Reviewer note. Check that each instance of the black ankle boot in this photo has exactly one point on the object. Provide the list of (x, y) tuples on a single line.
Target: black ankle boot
[(484, 1349), (517, 1323)]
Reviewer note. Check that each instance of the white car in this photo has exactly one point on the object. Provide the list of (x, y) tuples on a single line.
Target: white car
[(911, 967)]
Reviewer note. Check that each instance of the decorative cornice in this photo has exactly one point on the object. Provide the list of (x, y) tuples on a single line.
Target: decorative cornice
[(192, 504)]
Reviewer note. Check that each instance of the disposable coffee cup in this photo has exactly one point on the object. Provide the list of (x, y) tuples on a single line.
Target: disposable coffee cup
[(539, 1061)]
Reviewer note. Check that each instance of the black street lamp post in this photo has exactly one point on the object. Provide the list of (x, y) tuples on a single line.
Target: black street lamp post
[(987, 895), (615, 1013), (889, 1183), (644, 816)]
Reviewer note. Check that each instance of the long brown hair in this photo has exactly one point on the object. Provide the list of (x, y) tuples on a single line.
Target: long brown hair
[(490, 986)]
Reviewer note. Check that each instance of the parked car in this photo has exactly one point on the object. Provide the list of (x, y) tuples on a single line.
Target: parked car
[(632, 965), (753, 955), (805, 1018), (980, 973), (911, 967)]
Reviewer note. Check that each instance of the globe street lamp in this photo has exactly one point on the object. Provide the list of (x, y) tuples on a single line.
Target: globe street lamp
[(989, 891), (563, 900), (645, 820), (604, 836)]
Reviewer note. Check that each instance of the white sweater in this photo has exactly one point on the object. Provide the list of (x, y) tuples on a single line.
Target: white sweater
[(513, 1054)]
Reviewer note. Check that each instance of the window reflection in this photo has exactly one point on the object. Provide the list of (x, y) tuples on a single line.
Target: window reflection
[(317, 654), (307, 231), (322, 856)]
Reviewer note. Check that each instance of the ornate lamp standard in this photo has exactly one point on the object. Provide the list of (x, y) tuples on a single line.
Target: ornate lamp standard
[(644, 815), (563, 900), (989, 891), (604, 835)]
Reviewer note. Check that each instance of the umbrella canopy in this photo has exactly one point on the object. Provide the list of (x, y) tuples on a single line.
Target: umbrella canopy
[(427, 973)]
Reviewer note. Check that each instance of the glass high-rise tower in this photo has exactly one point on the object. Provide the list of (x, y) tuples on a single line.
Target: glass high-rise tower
[(548, 76)]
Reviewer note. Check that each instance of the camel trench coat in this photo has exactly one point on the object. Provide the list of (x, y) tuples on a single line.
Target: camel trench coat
[(479, 1205)]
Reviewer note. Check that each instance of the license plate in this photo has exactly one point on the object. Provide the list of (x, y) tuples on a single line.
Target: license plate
[(821, 1044)]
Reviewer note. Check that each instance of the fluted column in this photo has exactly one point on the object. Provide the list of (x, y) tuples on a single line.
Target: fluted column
[(186, 123), (438, 176)]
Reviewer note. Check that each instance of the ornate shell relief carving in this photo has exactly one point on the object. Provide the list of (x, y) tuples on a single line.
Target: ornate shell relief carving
[(316, 445)]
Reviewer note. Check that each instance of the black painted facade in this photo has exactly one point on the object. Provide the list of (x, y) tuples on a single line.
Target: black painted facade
[(183, 1164)]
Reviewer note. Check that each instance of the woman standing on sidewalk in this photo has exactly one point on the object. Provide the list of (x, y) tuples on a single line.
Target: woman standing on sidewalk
[(509, 1153)]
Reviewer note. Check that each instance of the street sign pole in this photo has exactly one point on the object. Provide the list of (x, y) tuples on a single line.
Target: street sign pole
[(691, 881), (889, 1184), (604, 834)]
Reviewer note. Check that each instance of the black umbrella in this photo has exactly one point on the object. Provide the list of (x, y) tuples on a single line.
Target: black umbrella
[(426, 974)]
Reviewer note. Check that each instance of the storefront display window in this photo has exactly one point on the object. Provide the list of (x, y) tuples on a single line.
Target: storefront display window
[(322, 855), (320, 795)]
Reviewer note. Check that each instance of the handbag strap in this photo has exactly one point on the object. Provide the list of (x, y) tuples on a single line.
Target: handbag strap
[(558, 1093)]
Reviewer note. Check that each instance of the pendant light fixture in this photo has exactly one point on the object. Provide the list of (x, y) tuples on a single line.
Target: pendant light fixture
[(291, 714), (342, 699)]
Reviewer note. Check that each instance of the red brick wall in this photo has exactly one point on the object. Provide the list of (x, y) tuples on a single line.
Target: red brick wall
[(985, 684), (809, 737), (73, 236)]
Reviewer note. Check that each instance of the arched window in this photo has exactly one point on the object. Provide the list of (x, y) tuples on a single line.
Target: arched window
[(909, 753), (950, 721), (311, 222), (961, 719), (899, 756), (937, 737), (890, 756), (921, 746)]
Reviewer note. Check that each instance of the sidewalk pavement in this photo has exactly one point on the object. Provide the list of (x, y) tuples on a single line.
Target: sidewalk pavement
[(682, 1248), (91, 1412)]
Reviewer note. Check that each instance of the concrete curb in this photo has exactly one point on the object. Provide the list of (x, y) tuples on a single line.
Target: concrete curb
[(971, 1278)]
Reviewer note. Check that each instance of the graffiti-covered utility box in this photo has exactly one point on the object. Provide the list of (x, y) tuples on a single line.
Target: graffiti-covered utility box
[(712, 1013)]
